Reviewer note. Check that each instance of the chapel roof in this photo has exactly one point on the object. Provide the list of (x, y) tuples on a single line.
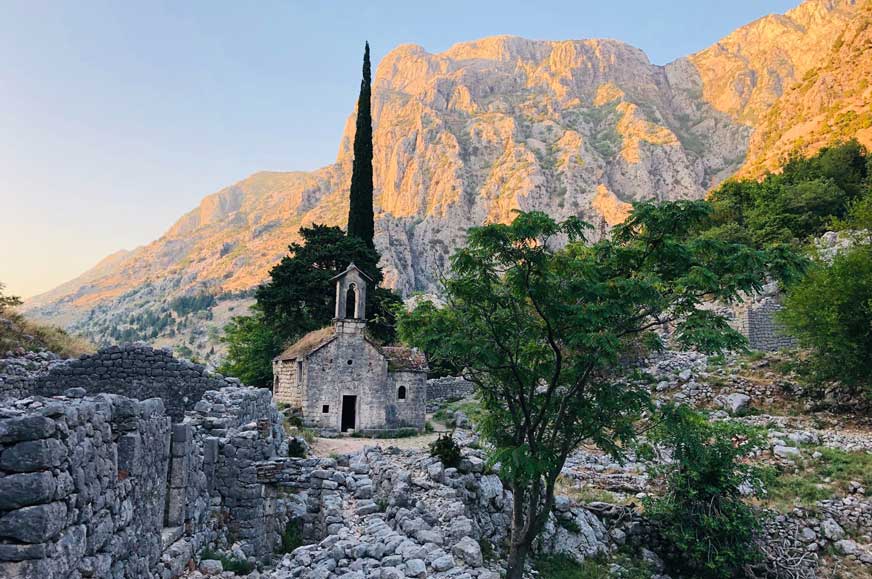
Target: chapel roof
[(308, 344), (405, 359)]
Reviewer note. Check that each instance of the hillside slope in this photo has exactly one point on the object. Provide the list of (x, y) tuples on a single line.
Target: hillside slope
[(579, 127)]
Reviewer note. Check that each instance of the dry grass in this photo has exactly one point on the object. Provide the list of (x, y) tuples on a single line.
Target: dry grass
[(16, 331)]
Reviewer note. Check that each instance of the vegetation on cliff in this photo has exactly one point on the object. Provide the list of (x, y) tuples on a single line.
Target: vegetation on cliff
[(18, 332), (808, 197)]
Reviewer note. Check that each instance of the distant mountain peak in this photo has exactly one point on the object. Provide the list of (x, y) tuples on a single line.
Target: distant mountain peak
[(468, 135)]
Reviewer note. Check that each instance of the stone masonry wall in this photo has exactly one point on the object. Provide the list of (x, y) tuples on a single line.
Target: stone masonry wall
[(108, 486), (448, 388), (286, 388), (82, 487), (137, 371)]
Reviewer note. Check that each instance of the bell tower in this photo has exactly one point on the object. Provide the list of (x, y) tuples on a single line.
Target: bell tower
[(351, 299)]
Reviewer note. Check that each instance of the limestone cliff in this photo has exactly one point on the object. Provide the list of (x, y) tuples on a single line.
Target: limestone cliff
[(462, 138)]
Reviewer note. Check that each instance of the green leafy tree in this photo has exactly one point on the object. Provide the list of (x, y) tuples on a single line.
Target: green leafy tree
[(830, 312), (809, 196), (360, 211), (251, 345), (701, 514), (542, 331), (299, 297), (7, 301)]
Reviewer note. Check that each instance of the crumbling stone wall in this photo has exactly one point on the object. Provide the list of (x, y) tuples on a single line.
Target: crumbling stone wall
[(756, 320), (448, 388), (82, 487), (108, 486), (136, 371)]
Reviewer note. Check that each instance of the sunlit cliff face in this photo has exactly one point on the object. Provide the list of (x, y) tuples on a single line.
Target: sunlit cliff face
[(470, 135)]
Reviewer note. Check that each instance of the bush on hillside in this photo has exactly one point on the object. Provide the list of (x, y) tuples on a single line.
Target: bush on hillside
[(701, 514), (805, 199), (830, 312)]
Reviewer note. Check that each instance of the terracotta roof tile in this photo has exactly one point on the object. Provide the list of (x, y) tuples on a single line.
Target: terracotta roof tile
[(405, 359)]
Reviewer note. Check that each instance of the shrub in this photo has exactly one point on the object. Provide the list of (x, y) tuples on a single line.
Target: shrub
[(292, 537), (830, 312), (701, 514), (231, 564), (296, 449), (446, 449)]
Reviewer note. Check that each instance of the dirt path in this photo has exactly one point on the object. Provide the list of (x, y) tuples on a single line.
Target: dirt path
[(348, 445)]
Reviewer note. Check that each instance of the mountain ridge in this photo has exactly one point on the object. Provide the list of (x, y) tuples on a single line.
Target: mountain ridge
[(463, 137)]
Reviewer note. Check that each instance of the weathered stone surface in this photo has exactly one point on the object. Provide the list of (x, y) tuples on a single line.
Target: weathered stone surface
[(34, 524), (23, 489)]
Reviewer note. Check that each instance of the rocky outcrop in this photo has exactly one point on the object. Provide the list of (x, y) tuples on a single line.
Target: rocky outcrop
[(465, 137)]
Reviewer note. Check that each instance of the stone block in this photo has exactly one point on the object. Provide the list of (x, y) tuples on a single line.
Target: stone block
[(25, 489), (36, 524), (25, 428), (32, 455)]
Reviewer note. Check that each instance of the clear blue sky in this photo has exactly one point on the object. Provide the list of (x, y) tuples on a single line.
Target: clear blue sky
[(118, 117)]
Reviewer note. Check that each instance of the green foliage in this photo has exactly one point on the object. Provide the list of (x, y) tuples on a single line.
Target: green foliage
[(805, 485), (446, 449), (184, 305), (360, 212), (562, 567), (702, 513), (445, 414), (830, 312), (296, 449), (231, 564), (807, 197), (543, 331), (292, 537), (251, 345), (7, 301), (299, 296)]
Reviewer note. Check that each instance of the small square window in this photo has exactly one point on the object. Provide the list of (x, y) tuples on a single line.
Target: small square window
[(325, 409)]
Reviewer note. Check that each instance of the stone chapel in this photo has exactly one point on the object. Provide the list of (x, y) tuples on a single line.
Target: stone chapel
[(340, 379)]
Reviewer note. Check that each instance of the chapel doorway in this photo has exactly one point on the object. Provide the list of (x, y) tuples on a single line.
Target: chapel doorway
[(349, 413)]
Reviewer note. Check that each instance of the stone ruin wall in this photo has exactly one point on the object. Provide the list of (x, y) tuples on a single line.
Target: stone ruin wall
[(286, 390), (108, 486), (448, 389), (756, 320), (136, 371)]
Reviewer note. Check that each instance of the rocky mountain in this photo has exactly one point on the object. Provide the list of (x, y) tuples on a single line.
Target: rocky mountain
[(466, 136)]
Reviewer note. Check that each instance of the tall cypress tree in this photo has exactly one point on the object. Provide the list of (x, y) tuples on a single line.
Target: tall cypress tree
[(360, 212)]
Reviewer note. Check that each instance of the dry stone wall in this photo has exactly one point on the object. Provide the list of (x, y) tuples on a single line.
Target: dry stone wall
[(109, 486), (448, 388), (82, 487), (136, 371)]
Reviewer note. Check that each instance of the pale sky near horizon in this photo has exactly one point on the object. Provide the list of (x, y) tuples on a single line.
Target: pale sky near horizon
[(117, 117)]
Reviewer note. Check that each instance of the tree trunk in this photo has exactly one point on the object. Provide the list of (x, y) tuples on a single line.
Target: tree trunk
[(517, 557)]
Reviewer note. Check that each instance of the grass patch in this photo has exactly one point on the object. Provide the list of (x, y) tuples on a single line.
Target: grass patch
[(560, 567), (399, 433), (471, 408), (16, 331), (231, 564), (806, 486), (584, 494), (292, 537)]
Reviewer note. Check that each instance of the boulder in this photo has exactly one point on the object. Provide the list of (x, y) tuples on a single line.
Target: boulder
[(736, 403)]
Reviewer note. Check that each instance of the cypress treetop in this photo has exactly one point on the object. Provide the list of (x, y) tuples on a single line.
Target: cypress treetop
[(360, 213)]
